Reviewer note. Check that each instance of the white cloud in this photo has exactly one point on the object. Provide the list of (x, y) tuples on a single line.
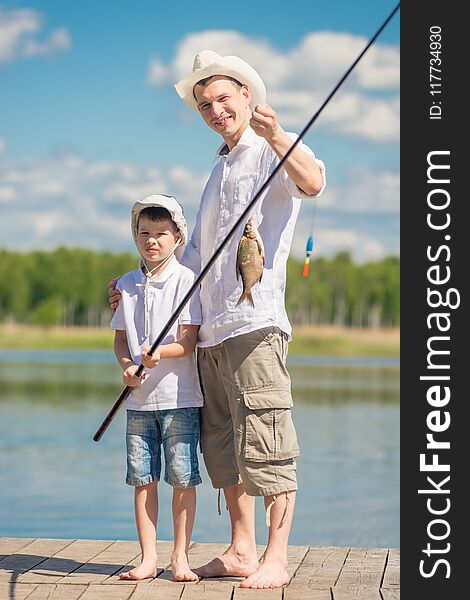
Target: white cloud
[(157, 73), (2, 145), (299, 80), (18, 36), (71, 201), (362, 247), (362, 189)]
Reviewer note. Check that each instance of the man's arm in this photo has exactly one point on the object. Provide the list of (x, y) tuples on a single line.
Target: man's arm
[(300, 166), (192, 253), (113, 293)]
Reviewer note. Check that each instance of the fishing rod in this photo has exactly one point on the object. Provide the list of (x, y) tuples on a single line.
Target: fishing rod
[(127, 390)]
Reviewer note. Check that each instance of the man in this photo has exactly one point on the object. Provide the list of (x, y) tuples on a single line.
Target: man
[(248, 438)]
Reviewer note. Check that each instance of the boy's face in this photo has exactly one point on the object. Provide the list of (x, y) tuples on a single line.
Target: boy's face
[(224, 107), (156, 239)]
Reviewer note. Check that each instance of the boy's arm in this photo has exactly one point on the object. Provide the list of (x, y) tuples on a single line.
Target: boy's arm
[(184, 345), (121, 350)]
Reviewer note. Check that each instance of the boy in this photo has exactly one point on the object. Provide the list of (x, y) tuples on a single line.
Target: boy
[(163, 407)]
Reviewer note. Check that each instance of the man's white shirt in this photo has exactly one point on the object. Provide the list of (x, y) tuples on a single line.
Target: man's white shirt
[(232, 184)]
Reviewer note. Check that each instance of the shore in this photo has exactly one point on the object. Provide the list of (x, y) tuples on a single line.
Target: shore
[(314, 340)]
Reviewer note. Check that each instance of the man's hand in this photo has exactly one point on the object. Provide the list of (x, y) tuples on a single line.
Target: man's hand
[(150, 361), (114, 294), (130, 378), (300, 166), (264, 121)]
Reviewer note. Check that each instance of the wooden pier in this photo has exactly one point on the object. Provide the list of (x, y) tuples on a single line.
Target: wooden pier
[(55, 569)]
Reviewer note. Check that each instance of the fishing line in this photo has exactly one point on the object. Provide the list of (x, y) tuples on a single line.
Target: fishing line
[(127, 390)]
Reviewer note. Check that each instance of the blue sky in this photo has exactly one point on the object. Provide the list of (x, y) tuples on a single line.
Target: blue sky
[(90, 121)]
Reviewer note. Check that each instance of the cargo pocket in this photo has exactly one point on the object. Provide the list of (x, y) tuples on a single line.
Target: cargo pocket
[(269, 430)]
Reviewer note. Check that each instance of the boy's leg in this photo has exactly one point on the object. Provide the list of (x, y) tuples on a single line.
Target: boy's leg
[(272, 571), (180, 436), (143, 440), (184, 510), (146, 513)]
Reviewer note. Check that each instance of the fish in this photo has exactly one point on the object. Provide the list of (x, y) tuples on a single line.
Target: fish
[(250, 261)]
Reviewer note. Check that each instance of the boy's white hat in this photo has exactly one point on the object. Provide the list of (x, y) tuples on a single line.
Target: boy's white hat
[(172, 206), (208, 63)]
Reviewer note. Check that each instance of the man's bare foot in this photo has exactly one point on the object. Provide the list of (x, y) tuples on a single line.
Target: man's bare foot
[(181, 570), (230, 564), (146, 570), (270, 574)]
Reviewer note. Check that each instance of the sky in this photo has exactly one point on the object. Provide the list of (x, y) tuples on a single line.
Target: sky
[(90, 121)]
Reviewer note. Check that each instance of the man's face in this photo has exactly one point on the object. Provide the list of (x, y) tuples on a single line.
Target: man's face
[(225, 108)]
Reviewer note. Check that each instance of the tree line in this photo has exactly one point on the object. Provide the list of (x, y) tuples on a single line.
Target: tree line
[(67, 286)]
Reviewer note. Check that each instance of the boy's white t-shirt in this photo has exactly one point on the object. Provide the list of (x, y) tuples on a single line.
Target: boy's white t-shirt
[(174, 382)]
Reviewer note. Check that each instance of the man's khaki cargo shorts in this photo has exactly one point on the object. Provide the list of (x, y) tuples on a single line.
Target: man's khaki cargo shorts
[(247, 433)]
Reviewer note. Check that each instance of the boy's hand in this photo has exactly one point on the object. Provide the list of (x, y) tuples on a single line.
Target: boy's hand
[(150, 361), (130, 378), (114, 294)]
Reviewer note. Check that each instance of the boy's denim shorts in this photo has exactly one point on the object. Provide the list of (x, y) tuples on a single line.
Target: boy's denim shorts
[(177, 430)]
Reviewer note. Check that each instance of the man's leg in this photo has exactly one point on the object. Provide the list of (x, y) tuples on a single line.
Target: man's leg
[(266, 442), (272, 572), (240, 559), (218, 450)]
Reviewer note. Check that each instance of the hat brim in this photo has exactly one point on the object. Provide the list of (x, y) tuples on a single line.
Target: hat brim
[(228, 66)]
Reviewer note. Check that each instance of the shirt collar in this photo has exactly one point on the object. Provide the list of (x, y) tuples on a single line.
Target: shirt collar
[(162, 277), (247, 138)]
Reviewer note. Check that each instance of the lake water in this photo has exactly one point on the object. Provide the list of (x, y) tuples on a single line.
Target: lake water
[(56, 482)]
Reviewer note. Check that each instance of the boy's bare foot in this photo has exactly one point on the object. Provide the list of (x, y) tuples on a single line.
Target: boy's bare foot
[(181, 570), (270, 574), (230, 564), (146, 570)]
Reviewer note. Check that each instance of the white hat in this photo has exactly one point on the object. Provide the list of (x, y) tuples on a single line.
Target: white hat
[(208, 63), (172, 206)]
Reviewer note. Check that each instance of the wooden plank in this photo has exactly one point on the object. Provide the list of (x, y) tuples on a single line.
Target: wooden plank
[(52, 591), (14, 591), (390, 594), (295, 556), (11, 545), (320, 568), (249, 594), (106, 563), (364, 567), (108, 592), (213, 591), (300, 593), (356, 593), (200, 554), (67, 560), (392, 570), (260, 550), (164, 550), (168, 591), (29, 557)]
